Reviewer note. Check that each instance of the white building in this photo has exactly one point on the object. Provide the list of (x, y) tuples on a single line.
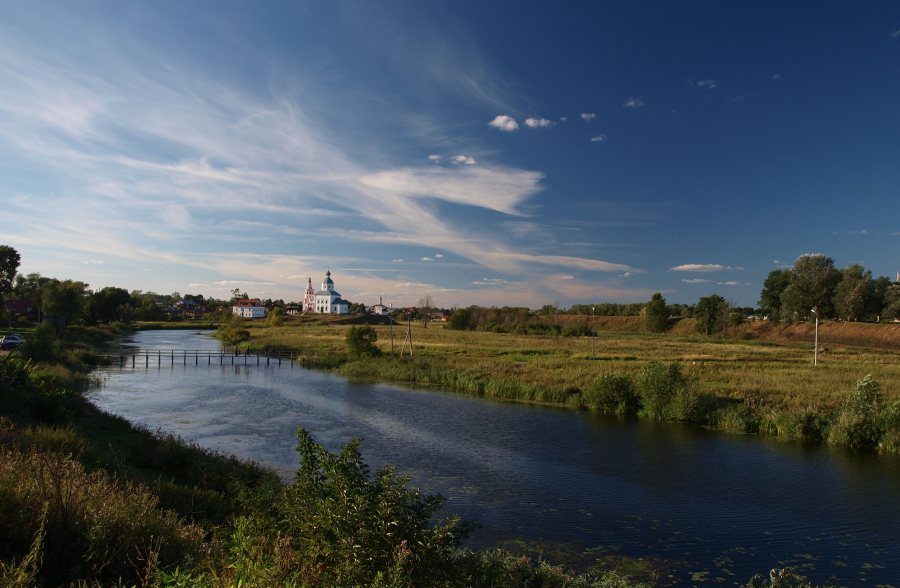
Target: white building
[(249, 309), (380, 309), (328, 300)]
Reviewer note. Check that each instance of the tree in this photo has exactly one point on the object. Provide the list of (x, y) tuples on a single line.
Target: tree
[(64, 300), (9, 264), (275, 318), (770, 299), (461, 319), (426, 304), (813, 281), (361, 340), (107, 303), (891, 309), (657, 315), (355, 307), (711, 314), (880, 300), (855, 293)]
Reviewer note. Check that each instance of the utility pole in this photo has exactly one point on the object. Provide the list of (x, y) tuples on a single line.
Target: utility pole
[(816, 344), (391, 322), (408, 336)]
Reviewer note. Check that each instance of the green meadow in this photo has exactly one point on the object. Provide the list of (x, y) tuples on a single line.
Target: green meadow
[(761, 377)]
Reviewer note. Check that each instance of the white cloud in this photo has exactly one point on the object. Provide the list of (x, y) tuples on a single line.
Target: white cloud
[(94, 262), (564, 119), (732, 284), (504, 123), (699, 267), (427, 259), (588, 116), (895, 34), (538, 122), (463, 159), (439, 255), (495, 188), (862, 232), (634, 102), (776, 77), (696, 281), (709, 84), (599, 138), (434, 158), (566, 277)]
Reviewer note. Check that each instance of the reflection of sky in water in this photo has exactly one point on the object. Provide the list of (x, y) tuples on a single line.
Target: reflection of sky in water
[(642, 488)]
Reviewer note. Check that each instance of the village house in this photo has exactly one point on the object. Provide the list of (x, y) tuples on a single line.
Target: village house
[(249, 308)]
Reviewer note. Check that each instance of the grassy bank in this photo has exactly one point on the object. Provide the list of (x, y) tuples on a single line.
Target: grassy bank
[(758, 378), (88, 499)]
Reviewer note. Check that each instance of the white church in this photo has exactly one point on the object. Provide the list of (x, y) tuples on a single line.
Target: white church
[(324, 301)]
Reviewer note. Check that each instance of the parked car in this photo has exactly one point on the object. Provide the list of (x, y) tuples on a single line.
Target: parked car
[(11, 341)]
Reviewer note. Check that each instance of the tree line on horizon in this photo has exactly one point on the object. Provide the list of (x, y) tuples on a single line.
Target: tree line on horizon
[(812, 287)]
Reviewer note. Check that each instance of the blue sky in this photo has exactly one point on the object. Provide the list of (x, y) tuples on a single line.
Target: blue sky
[(485, 153)]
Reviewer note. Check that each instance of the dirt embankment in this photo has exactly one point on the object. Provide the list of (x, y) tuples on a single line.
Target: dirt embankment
[(880, 335)]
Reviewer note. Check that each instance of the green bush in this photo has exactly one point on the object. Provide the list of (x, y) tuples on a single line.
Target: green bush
[(361, 340), (613, 394), (690, 404), (858, 425), (338, 524), (658, 386), (41, 345)]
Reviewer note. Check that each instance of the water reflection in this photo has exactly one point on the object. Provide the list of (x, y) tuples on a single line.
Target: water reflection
[(727, 505)]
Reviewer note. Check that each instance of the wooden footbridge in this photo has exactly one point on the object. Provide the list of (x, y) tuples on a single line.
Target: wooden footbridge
[(172, 357)]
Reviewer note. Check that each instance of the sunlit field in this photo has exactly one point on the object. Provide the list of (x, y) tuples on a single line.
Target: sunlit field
[(753, 361)]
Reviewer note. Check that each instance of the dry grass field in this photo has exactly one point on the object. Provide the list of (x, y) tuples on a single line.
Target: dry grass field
[(770, 363)]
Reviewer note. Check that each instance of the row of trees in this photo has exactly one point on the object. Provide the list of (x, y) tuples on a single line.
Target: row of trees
[(70, 301), (814, 286)]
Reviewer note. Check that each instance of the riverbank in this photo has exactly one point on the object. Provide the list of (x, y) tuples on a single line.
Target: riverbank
[(759, 378), (88, 498)]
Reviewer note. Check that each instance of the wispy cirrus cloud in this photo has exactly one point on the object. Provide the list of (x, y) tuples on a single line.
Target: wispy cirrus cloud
[(634, 102)]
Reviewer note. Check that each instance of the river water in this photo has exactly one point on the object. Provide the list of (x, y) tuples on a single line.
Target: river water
[(707, 508)]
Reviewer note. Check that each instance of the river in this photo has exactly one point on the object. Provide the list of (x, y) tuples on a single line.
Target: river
[(706, 508)]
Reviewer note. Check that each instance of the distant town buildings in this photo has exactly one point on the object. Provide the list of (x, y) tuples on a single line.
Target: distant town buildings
[(249, 308)]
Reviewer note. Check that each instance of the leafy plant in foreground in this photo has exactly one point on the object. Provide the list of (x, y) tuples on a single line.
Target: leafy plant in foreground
[(338, 523)]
